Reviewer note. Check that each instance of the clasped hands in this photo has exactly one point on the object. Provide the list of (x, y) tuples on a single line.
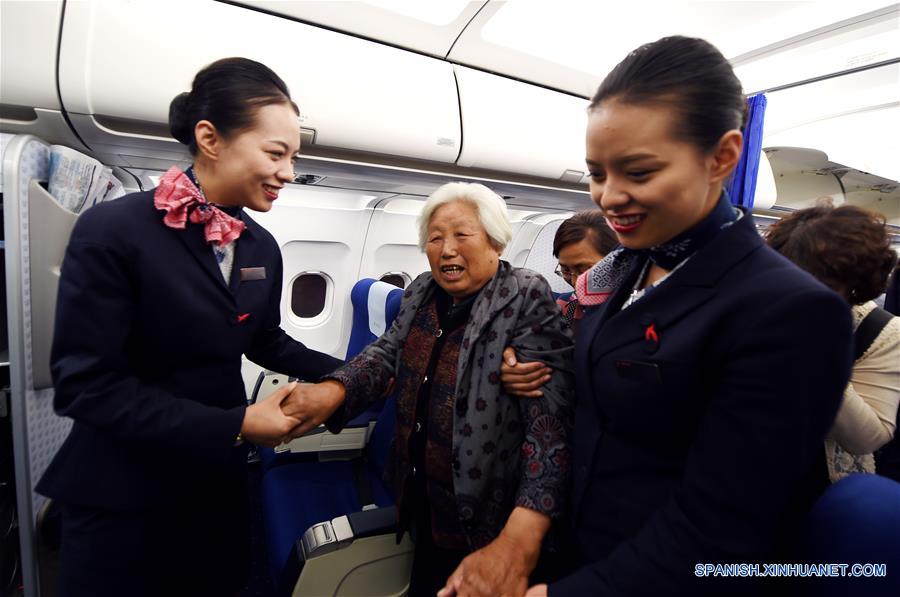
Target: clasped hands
[(291, 411)]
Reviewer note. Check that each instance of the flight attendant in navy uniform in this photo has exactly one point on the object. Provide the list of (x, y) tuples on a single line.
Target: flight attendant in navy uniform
[(161, 293), (711, 369)]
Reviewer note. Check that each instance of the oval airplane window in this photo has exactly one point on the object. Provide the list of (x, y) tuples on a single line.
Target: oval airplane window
[(308, 295), (398, 279)]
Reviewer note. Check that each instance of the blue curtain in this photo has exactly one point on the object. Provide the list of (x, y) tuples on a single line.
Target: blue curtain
[(742, 186)]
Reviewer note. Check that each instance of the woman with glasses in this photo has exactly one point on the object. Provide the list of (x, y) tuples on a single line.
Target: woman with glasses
[(580, 242)]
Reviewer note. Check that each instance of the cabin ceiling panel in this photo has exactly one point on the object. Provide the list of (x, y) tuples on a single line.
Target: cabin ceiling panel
[(572, 44)]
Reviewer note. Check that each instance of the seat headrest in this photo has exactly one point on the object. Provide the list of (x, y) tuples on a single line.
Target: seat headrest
[(375, 305)]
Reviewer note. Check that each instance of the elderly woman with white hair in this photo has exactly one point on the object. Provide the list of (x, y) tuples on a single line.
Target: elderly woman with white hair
[(478, 475)]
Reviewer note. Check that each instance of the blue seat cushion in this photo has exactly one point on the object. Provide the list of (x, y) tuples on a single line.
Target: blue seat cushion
[(856, 520), (269, 458)]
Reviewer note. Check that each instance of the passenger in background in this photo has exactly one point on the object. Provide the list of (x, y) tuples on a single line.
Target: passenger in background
[(847, 249), (707, 381), (579, 243), (478, 475), (161, 292)]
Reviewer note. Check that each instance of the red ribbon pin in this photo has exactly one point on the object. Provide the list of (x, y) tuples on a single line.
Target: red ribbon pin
[(650, 334), (243, 317)]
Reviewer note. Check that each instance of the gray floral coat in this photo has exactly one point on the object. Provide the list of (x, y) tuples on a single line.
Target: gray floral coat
[(507, 451)]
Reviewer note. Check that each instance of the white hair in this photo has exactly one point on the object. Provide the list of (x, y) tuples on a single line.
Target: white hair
[(489, 205)]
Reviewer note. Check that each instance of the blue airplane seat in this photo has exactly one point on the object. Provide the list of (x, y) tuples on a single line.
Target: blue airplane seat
[(301, 490), (855, 521), (297, 495), (375, 305)]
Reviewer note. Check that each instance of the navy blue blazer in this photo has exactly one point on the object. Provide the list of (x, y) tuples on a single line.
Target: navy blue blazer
[(146, 356), (700, 415)]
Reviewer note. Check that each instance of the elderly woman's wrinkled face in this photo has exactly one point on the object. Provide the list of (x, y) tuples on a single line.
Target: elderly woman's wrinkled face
[(461, 255)]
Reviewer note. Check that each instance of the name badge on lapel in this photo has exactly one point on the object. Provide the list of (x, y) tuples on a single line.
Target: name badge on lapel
[(639, 371), (253, 273)]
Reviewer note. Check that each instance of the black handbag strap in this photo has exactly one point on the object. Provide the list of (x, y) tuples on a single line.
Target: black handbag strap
[(868, 330)]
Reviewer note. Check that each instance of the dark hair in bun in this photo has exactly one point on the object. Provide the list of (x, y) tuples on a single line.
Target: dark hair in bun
[(227, 93), (687, 73), (178, 119)]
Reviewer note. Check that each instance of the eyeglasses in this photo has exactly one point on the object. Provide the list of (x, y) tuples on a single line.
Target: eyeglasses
[(570, 275)]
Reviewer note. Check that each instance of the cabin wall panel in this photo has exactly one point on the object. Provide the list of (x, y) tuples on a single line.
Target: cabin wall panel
[(320, 230), (392, 240)]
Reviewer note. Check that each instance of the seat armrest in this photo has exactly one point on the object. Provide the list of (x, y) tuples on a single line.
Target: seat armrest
[(347, 444), (331, 535), (355, 554), (375, 521)]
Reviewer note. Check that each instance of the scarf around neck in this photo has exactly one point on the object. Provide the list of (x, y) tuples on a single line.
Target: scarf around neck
[(596, 285), (181, 197)]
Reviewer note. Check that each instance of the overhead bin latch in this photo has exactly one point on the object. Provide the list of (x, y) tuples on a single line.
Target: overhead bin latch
[(307, 136), (307, 178), (572, 176)]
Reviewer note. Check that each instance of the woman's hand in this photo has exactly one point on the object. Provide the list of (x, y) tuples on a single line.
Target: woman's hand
[(522, 379), (264, 422), (312, 404), (501, 568)]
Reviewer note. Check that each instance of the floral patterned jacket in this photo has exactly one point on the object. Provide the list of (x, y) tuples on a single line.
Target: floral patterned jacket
[(507, 451)]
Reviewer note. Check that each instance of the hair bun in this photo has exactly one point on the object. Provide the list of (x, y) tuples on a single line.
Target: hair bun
[(179, 119)]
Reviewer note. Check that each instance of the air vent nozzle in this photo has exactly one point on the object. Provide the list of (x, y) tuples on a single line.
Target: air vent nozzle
[(308, 179)]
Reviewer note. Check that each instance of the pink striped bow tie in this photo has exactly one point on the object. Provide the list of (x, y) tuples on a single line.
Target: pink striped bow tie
[(180, 198)]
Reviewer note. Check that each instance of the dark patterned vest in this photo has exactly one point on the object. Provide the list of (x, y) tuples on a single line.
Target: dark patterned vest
[(424, 436)]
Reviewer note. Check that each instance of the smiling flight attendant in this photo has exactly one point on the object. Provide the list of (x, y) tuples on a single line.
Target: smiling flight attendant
[(161, 293), (708, 379)]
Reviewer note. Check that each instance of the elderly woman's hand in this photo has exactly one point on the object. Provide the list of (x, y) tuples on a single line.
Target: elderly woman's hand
[(265, 424), (501, 568), (522, 379), (312, 404)]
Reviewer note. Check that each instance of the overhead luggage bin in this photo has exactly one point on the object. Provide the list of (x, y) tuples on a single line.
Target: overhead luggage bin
[(862, 41), (122, 63), (29, 103), (516, 127), (426, 27)]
